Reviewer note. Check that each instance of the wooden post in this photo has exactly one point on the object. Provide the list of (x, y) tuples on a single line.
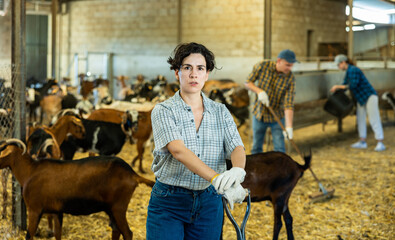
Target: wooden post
[(350, 49), (179, 22), (18, 76), (267, 30), (53, 37)]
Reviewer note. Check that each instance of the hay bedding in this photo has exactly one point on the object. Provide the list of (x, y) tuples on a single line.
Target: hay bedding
[(363, 206)]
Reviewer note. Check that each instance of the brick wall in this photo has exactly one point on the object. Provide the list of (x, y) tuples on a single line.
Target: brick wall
[(291, 19), (141, 34)]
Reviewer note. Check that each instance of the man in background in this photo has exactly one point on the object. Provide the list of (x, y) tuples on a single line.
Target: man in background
[(274, 84)]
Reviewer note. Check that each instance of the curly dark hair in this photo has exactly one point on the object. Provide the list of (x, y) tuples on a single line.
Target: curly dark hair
[(183, 50)]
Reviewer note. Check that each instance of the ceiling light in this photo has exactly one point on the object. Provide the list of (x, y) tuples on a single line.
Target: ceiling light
[(389, 11), (369, 15), (369, 27), (355, 28)]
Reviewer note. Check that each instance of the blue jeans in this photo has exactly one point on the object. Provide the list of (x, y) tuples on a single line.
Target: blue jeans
[(259, 131), (176, 213)]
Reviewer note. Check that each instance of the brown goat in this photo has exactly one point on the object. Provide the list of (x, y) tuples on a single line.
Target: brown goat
[(78, 187), (67, 125), (219, 84), (58, 132), (239, 97), (142, 134), (272, 176), (50, 105), (109, 115), (41, 137), (125, 90)]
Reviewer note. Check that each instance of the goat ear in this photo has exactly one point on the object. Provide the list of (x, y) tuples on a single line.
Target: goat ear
[(5, 152), (76, 121)]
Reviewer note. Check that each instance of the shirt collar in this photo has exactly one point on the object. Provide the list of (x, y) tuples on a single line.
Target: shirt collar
[(206, 102), (272, 66)]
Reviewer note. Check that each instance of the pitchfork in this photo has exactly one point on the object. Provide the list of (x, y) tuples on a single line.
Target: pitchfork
[(240, 231)]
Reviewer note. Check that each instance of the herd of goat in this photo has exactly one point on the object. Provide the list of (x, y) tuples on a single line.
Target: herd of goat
[(54, 182)]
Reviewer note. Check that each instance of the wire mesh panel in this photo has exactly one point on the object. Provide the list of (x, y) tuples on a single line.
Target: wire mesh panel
[(10, 92), (7, 103)]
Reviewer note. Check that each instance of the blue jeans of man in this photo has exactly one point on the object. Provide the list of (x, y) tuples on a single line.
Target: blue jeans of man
[(176, 213), (259, 130)]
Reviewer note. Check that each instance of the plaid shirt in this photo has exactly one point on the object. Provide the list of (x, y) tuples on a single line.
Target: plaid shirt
[(215, 140), (358, 84), (279, 87)]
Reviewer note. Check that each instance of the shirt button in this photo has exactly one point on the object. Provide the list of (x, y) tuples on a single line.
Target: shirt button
[(198, 155), (197, 136), (191, 120), (189, 110)]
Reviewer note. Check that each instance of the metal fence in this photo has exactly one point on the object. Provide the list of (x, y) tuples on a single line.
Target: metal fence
[(313, 64), (11, 120), (7, 103)]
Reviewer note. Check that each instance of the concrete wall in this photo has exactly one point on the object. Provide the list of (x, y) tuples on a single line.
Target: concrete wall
[(372, 40), (5, 40), (316, 86)]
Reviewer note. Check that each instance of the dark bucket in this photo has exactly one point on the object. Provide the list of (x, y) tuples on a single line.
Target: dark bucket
[(339, 104)]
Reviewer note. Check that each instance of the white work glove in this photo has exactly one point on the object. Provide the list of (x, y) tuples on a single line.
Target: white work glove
[(224, 181), (235, 194), (288, 133), (264, 98)]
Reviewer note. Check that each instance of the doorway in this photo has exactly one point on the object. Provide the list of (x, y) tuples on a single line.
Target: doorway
[(36, 47)]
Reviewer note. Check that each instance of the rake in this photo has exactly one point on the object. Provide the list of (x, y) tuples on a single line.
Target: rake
[(315, 197)]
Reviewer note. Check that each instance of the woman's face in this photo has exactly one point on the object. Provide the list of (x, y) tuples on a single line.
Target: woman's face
[(192, 74), (342, 65)]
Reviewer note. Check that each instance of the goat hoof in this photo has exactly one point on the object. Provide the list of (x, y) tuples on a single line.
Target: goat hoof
[(40, 233), (49, 234)]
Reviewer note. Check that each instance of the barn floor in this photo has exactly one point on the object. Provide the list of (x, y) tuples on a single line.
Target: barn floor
[(363, 206)]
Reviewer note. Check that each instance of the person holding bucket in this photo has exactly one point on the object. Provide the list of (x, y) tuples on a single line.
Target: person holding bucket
[(367, 102), (193, 136)]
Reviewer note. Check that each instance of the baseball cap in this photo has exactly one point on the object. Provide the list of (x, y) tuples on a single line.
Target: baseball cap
[(340, 58), (288, 56)]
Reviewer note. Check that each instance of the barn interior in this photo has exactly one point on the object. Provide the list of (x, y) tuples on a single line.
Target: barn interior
[(121, 42)]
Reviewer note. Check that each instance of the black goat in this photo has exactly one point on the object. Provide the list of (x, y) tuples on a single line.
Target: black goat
[(104, 138), (144, 90), (69, 101), (272, 176), (241, 113), (387, 96)]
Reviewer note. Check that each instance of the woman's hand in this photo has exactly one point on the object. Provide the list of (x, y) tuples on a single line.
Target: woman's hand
[(336, 87), (226, 180)]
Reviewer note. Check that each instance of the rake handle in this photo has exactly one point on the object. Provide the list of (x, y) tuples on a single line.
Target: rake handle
[(240, 230), (292, 142)]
